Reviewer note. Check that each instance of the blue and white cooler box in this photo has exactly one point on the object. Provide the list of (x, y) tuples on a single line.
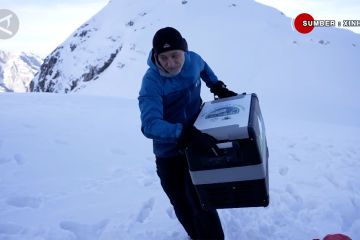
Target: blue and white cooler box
[(238, 175)]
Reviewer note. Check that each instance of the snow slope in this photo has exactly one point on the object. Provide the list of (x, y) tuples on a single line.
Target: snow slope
[(78, 167)]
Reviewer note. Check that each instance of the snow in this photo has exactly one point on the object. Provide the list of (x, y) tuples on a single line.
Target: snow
[(17, 69), (77, 167)]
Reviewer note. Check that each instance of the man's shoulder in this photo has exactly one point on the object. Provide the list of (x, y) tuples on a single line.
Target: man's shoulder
[(151, 75), (193, 61), (194, 55), (151, 81)]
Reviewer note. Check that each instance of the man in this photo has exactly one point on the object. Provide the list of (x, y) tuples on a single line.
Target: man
[(169, 102)]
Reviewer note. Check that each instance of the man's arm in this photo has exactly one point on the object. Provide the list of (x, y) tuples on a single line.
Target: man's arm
[(151, 107)]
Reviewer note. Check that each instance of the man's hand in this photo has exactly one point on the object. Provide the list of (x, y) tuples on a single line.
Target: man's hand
[(201, 141), (220, 90)]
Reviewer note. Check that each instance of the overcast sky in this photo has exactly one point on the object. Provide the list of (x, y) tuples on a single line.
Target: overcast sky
[(320, 9), (45, 24)]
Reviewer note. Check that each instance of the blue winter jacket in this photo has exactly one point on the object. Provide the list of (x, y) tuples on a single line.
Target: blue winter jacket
[(169, 103)]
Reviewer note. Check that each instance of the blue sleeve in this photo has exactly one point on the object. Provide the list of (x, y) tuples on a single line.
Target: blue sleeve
[(208, 75), (151, 108)]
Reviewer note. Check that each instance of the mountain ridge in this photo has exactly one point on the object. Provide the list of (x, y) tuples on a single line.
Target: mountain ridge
[(250, 46), (17, 69)]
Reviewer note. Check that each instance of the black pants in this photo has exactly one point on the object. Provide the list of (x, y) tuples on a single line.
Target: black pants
[(175, 180)]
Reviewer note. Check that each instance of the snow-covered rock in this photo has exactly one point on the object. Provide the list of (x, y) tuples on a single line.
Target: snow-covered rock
[(17, 69), (78, 60)]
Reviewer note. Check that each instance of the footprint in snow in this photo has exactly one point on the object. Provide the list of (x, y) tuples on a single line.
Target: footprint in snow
[(85, 231), (4, 160), (11, 229), (19, 159), (145, 210), (351, 150), (117, 151), (170, 212), (147, 176), (24, 201), (297, 202), (296, 158), (119, 173), (61, 142), (291, 145), (332, 179), (283, 171), (335, 154), (29, 126), (330, 146), (351, 153)]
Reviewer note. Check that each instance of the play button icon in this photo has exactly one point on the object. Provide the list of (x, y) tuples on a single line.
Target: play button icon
[(9, 24)]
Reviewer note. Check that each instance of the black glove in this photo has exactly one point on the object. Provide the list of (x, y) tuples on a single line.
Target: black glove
[(192, 137), (219, 89)]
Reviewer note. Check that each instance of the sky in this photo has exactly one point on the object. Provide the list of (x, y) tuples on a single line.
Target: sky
[(320, 9), (46, 24)]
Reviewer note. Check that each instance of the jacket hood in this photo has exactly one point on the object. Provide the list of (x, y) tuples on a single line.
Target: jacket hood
[(151, 61)]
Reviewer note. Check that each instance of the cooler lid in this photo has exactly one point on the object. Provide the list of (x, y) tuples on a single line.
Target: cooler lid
[(225, 119)]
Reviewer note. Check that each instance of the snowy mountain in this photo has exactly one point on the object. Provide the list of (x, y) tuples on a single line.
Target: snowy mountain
[(77, 167), (17, 70), (250, 46)]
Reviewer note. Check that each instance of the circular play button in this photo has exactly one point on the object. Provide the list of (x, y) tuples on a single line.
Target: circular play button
[(9, 24)]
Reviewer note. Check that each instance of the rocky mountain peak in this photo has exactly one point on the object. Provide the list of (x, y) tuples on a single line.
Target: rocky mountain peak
[(17, 69)]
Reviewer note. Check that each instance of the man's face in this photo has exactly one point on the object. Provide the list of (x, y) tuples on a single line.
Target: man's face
[(172, 60)]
